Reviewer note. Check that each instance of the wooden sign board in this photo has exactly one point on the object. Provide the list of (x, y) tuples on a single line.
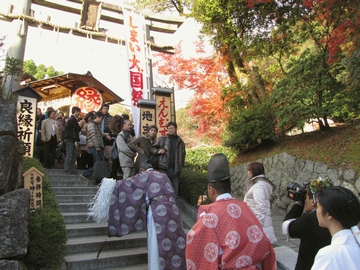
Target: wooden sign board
[(33, 182), (165, 109), (26, 116), (147, 115)]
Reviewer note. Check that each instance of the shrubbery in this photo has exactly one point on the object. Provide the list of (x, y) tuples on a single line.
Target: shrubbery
[(248, 127), (47, 229), (193, 179)]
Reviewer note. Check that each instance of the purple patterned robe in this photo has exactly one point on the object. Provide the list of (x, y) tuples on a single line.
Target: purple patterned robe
[(128, 213)]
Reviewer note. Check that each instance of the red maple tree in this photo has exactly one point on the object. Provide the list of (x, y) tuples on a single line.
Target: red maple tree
[(206, 76)]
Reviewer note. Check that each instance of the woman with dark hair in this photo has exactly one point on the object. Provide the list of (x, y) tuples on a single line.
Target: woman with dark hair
[(113, 129), (85, 159), (258, 196), (339, 210)]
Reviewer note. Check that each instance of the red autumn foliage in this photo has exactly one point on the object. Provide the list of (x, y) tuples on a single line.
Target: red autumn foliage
[(206, 76)]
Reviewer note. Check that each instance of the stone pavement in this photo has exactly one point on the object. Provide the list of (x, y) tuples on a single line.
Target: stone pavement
[(286, 249)]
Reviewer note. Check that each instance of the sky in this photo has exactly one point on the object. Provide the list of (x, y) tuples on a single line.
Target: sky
[(106, 61)]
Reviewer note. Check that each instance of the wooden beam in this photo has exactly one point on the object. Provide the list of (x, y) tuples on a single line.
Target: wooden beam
[(114, 14)]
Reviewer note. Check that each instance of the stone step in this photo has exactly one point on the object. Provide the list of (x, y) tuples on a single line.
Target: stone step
[(76, 217), (65, 177), (78, 182), (86, 229), (74, 190), (85, 198), (73, 207), (95, 243), (107, 259)]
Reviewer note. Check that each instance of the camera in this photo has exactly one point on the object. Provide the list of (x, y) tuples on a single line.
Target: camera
[(297, 192)]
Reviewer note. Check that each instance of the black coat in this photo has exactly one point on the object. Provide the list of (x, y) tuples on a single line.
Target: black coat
[(72, 129), (312, 236)]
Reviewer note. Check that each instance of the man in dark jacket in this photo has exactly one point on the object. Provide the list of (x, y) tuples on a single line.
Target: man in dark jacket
[(301, 222), (107, 117), (171, 149), (71, 135)]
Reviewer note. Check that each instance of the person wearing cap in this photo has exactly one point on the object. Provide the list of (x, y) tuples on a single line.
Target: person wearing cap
[(227, 235), (147, 201), (301, 222), (142, 144)]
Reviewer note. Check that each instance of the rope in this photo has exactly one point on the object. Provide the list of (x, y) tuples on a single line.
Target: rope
[(41, 23)]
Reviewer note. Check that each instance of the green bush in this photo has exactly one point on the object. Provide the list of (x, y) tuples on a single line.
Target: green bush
[(193, 178), (192, 185), (198, 158), (248, 127), (47, 229)]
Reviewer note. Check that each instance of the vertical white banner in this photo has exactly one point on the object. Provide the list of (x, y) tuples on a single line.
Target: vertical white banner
[(136, 60)]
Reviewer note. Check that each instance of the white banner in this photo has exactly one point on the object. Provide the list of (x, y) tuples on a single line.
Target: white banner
[(136, 57)]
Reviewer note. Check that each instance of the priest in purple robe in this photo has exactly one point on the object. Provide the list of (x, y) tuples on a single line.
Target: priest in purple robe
[(146, 201)]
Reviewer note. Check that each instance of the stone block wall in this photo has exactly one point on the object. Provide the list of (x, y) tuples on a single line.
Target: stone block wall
[(284, 168), (10, 179), (14, 200)]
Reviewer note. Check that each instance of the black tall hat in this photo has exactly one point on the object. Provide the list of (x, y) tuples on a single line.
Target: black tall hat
[(218, 168)]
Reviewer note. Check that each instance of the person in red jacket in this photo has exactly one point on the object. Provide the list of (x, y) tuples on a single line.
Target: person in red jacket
[(227, 235)]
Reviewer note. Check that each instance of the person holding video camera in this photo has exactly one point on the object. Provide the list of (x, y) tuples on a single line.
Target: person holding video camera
[(301, 221)]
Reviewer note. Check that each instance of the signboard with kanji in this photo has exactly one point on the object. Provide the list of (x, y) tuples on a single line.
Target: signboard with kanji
[(88, 99), (165, 109), (33, 182), (26, 116), (147, 115)]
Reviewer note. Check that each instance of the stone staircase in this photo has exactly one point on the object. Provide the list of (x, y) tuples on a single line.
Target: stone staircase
[(85, 238)]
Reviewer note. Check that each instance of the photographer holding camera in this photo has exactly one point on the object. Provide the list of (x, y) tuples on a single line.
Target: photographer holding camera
[(301, 221)]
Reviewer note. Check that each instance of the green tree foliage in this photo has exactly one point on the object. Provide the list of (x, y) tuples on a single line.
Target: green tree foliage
[(308, 92), (194, 174), (250, 127), (40, 71), (11, 70), (301, 55), (159, 6)]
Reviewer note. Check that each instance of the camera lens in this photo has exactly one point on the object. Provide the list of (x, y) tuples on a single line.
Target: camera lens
[(293, 186)]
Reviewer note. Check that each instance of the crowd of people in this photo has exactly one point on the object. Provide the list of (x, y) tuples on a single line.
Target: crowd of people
[(229, 233), (77, 143)]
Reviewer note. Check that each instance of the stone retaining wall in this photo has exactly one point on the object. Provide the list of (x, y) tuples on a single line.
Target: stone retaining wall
[(284, 168), (14, 200)]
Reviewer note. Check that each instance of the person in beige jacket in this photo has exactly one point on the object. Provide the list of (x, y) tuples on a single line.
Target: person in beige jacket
[(50, 135)]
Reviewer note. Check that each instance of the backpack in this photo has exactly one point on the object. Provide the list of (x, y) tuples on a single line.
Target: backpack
[(114, 154)]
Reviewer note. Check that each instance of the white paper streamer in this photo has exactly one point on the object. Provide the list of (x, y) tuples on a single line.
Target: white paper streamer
[(98, 209)]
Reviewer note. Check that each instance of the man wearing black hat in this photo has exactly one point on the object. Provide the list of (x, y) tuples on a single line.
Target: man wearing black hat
[(147, 201), (227, 235)]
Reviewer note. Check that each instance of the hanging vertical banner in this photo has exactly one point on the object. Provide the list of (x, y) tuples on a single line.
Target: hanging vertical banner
[(26, 115), (136, 59)]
